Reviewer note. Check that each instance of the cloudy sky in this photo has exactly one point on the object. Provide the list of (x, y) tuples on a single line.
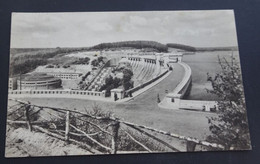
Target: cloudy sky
[(196, 28)]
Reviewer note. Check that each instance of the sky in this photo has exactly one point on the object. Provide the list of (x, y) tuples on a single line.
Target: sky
[(213, 28)]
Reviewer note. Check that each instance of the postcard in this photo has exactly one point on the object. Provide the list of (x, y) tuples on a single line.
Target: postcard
[(86, 83)]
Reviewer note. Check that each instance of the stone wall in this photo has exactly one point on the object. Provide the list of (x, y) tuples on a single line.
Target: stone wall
[(56, 93)]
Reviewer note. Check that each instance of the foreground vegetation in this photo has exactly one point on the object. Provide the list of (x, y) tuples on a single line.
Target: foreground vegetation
[(230, 128), (92, 131)]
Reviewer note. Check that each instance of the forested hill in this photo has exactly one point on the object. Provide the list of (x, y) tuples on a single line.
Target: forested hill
[(194, 49), (216, 48), (133, 44), (181, 46)]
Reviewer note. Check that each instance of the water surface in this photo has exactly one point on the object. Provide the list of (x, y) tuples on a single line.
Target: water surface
[(202, 63)]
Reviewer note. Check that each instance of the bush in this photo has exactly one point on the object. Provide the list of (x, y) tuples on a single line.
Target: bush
[(126, 81), (49, 66), (230, 127), (110, 83), (95, 63), (82, 61)]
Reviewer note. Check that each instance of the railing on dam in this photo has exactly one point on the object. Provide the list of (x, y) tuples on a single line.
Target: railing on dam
[(56, 93), (174, 99), (208, 106), (182, 87), (132, 90), (141, 66)]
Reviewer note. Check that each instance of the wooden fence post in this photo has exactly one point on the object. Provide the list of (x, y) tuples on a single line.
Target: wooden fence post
[(67, 126), (190, 146), (27, 116), (115, 129)]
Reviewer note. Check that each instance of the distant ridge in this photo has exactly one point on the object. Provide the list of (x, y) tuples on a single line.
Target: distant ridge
[(194, 49), (139, 44), (217, 48), (181, 46)]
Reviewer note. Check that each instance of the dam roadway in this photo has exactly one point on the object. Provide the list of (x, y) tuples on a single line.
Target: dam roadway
[(144, 110)]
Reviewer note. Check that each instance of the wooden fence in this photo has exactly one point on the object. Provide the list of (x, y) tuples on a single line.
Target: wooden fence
[(82, 128)]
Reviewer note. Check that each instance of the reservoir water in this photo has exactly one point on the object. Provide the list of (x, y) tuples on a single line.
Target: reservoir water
[(202, 63)]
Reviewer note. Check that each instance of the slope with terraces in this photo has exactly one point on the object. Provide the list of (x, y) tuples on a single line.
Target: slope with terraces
[(100, 79), (144, 69)]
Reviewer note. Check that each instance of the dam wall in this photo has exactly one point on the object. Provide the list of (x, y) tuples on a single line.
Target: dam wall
[(174, 100)]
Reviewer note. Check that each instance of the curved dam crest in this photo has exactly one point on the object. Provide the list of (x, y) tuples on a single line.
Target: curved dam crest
[(148, 72), (174, 100)]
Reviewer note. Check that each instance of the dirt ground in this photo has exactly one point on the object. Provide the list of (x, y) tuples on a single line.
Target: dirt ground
[(23, 143)]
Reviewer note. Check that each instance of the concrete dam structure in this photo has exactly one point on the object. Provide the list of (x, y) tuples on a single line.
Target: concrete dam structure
[(147, 70), (174, 100)]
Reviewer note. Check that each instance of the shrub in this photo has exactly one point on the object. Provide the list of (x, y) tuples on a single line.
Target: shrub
[(230, 127)]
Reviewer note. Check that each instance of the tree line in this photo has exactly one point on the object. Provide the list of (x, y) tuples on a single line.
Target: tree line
[(27, 61), (133, 44), (181, 46)]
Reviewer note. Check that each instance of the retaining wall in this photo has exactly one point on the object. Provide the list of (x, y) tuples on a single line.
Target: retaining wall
[(198, 105), (174, 99), (132, 90), (182, 87), (55, 93)]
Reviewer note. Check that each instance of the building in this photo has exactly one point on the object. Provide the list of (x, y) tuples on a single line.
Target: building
[(171, 57), (62, 73), (12, 85), (38, 81)]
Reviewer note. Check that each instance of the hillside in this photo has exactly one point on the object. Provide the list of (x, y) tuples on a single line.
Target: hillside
[(216, 48), (24, 60), (132, 44), (181, 47), (196, 49), (23, 143)]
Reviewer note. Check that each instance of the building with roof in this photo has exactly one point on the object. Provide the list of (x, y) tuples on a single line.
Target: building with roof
[(62, 73), (38, 81), (12, 85)]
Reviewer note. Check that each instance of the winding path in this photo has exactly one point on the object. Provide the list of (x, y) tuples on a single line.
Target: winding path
[(149, 97), (144, 109)]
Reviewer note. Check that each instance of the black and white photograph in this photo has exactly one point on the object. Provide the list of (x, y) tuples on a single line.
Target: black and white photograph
[(92, 83)]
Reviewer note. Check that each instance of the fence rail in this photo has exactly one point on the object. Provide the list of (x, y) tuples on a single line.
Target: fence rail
[(57, 93), (112, 126)]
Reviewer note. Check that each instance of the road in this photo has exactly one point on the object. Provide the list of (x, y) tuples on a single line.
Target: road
[(149, 98), (144, 109)]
